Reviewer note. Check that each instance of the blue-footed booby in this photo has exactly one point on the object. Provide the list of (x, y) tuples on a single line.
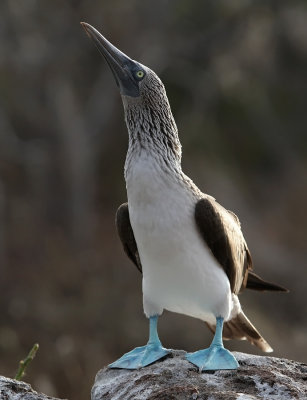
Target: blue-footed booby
[(190, 250)]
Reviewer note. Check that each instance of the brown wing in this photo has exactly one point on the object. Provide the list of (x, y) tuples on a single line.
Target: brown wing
[(125, 232), (222, 233)]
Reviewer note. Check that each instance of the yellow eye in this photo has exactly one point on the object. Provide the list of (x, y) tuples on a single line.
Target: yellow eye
[(140, 74)]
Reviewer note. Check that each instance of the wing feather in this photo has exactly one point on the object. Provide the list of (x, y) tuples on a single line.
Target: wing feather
[(125, 232), (222, 233)]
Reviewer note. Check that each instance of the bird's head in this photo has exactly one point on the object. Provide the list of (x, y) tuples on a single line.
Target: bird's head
[(137, 83), (147, 111)]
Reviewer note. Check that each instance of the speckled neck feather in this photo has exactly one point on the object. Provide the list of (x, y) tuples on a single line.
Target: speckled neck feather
[(151, 125)]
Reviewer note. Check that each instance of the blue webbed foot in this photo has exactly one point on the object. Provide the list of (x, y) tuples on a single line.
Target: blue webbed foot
[(140, 357), (216, 356), (145, 355), (212, 359)]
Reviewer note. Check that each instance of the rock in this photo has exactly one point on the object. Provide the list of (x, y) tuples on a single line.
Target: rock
[(175, 378), (10, 389)]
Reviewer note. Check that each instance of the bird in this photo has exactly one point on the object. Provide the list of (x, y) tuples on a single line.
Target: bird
[(190, 250)]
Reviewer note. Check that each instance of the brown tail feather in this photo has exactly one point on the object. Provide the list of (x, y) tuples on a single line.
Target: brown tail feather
[(241, 328)]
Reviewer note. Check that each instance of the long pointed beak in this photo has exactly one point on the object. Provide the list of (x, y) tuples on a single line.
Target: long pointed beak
[(121, 65)]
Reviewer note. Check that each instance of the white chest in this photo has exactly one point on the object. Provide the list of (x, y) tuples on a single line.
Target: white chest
[(179, 272)]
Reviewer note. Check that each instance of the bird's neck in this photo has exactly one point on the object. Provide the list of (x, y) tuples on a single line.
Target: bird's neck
[(153, 135)]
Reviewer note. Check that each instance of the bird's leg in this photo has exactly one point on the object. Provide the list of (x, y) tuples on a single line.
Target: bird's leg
[(145, 355), (216, 356)]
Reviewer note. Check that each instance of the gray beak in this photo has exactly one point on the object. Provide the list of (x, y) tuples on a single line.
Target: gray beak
[(121, 65)]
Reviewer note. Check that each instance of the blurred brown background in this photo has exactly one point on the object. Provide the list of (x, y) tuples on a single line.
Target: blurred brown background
[(236, 75)]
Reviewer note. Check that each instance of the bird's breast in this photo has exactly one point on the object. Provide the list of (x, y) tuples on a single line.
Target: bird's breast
[(158, 200), (160, 207), (179, 271)]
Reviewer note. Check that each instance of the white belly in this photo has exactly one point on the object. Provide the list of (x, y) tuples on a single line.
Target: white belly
[(180, 273)]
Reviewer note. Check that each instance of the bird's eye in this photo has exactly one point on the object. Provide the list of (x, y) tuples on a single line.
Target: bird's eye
[(140, 74)]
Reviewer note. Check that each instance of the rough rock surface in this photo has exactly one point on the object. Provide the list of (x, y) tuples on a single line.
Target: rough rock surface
[(175, 378), (10, 389)]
